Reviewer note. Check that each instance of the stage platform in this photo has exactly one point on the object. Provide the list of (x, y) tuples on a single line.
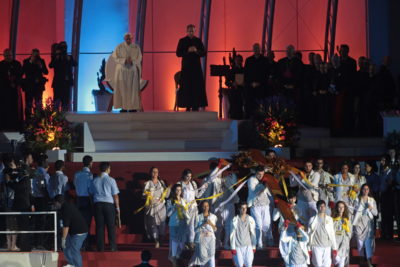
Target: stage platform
[(155, 136), (129, 255)]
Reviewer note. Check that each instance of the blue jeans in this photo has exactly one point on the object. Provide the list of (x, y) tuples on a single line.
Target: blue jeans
[(72, 250)]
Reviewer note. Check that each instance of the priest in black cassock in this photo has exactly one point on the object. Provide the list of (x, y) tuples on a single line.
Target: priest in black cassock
[(192, 92), (10, 81)]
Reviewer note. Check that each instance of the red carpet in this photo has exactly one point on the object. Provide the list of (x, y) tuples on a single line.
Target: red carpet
[(386, 255)]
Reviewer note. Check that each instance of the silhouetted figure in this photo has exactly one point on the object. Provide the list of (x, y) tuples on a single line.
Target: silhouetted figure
[(63, 77), (10, 80), (192, 93), (256, 78), (33, 83)]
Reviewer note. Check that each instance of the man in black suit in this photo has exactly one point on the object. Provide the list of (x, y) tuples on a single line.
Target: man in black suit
[(63, 65), (33, 85), (146, 256)]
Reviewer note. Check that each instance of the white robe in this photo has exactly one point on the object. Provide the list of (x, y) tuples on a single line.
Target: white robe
[(125, 79)]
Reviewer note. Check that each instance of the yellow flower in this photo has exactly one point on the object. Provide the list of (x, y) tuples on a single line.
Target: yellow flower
[(50, 136)]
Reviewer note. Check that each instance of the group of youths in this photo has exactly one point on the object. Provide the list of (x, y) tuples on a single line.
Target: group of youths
[(330, 211)]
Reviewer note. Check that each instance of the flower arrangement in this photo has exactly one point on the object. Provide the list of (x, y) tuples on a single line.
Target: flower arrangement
[(275, 122), (47, 129)]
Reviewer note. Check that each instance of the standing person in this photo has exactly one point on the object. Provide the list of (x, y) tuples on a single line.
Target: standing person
[(63, 65), (291, 75), (74, 231), (343, 227), (325, 190), (364, 229), (189, 194), (243, 237), (8, 198), (126, 77), (256, 80), (178, 216), (386, 200), (308, 192), (33, 84), (192, 93), (359, 179), (106, 206), (19, 181), (83, 180), (322, 237), (344, 181), (293, 246), (204, 254), (58, 181), (258, 200), (10, 80), (40, 202), (372, 178), (222, 184), (155, 213)]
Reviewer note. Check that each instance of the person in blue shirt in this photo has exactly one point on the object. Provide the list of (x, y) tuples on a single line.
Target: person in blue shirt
[(58, 181), (83, 180), (106, 206)]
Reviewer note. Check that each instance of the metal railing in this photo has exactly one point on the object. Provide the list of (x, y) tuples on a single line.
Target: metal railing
[(35, 232)]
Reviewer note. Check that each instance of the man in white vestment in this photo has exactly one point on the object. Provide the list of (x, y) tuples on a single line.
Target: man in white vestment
[(125, 79)]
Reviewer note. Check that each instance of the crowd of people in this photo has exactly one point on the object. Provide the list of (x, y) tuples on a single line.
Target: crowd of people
[(330, 209), (30, 76), (333, 94)]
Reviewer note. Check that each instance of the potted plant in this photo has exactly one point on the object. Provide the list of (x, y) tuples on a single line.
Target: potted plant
[(272, 127), (101, 96), (48, 132)]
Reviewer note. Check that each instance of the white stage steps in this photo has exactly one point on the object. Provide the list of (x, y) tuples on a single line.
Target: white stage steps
[(179, 133)]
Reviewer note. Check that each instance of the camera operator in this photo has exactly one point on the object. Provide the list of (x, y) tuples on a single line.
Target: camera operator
[(33, 84), (62, 63), (18, 180)]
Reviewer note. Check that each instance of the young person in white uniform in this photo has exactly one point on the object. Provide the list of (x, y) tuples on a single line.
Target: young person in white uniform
[(243, 238), (322, 243), (258, 201)]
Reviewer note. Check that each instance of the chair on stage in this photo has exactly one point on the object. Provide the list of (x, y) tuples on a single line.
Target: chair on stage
[(177, 78)]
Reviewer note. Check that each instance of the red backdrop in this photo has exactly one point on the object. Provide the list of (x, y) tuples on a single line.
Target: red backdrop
[(234, 23), (237, 23)]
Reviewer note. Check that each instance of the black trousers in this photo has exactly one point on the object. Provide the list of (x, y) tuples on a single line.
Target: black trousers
[(105, 216), (387, 212), (24, 224), (85, 206), (33, 101), (40, 222), (62, 96)]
